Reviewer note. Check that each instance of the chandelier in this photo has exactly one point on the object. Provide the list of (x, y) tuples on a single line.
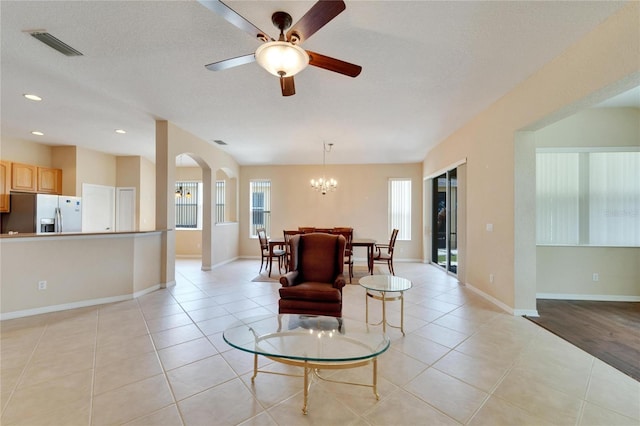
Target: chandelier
[(181, 193), (324, 185)]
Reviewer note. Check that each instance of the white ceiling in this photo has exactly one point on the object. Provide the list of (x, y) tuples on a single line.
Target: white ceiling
[(428, 67)]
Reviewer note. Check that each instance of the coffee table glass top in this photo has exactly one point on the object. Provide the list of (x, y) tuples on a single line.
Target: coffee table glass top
[(388, 283), (306, 338)]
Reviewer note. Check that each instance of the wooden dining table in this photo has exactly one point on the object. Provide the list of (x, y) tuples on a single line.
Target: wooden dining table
[(356, 242), (369, 244)]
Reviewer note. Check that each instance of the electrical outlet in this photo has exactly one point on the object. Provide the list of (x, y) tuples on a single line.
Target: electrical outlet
[(42, 285), (596, 276), (491, 278)]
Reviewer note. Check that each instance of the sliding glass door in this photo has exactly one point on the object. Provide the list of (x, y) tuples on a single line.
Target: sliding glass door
[(445, 221)]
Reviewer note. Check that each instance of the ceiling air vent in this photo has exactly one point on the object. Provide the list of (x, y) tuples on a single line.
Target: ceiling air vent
[(55, 43), (219, 142)]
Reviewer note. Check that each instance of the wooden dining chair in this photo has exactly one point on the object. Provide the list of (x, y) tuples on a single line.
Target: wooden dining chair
[(383, 253), (287, 237), (347, 233), (268, 255)]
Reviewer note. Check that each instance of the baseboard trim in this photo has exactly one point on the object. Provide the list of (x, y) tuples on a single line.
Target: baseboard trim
[(503, 306), (63, 307), (490, 298), (594, 297), (76, 305), (146, 291), (526, 312)]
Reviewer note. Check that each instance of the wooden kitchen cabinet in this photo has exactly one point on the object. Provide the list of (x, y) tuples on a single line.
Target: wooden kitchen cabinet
[(5, 186), (49, 181), (23, 177)]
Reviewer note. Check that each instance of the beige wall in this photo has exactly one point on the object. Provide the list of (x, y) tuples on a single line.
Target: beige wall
[(567, 271), (361, 201), (96, 168), (64, 158), (605, 62), (22, 151), (188, 243), (147, 195), (593, 127), (189, 173)]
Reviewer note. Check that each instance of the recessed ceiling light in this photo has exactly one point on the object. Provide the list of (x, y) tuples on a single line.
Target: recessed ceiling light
[(37, 133), (32, 97), (122, 132)]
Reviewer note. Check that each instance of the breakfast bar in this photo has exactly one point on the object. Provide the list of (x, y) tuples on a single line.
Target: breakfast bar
[(47, 273)]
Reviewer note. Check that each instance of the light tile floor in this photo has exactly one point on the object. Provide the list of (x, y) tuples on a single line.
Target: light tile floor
[(161, 360)]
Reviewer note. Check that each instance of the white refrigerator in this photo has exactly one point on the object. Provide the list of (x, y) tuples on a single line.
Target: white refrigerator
[(43, 214)]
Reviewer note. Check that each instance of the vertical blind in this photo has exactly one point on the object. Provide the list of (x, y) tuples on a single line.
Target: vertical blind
[(400, 207), (259, 206), (220, 197), (588, 197), (614, 198), (557, 197)]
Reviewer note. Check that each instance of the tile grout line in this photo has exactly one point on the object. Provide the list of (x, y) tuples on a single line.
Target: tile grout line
[(94, 367), (24, 369), (164, 373)]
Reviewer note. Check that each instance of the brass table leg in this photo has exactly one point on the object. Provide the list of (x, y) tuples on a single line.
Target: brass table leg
[(384, 312), (402, 312), (375, 378), (366, 304), (306, 388), (255, 367)]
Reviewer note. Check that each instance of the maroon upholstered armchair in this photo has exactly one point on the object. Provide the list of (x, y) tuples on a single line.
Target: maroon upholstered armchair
[(313, 285)]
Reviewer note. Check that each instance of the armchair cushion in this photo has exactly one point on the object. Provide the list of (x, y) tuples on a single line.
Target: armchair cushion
[(320, 292)]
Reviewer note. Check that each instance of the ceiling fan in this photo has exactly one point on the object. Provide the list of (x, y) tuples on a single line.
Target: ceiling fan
[(284, 57)]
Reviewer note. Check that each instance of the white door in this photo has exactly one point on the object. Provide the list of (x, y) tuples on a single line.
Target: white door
[(125, 209), (98, 210)]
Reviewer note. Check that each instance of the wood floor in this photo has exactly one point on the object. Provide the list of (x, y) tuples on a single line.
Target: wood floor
[(610, 331)]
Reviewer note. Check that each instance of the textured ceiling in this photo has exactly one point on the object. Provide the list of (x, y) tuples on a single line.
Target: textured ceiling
[(428, 67)]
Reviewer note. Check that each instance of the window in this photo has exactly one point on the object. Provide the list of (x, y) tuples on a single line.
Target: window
[(259, 206), (400, 207), (220, 197), (188, 205), (588, 197)]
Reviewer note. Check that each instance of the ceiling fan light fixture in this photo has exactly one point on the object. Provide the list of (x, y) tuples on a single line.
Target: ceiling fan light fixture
[(281, 58)]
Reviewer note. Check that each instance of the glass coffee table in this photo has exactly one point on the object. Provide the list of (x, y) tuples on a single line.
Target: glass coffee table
[(378, 287), (312, 342)]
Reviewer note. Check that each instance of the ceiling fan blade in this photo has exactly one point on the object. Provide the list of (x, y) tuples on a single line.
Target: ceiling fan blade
[(231, 62), (317, 17), (234, 18), (288, 86), (332, 64)]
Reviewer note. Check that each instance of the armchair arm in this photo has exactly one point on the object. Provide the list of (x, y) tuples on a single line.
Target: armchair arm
[(339, 282), (288, 279), (379, 246)]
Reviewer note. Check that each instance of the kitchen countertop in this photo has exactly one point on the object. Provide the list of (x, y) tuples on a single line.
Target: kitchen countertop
[(74, 234)]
